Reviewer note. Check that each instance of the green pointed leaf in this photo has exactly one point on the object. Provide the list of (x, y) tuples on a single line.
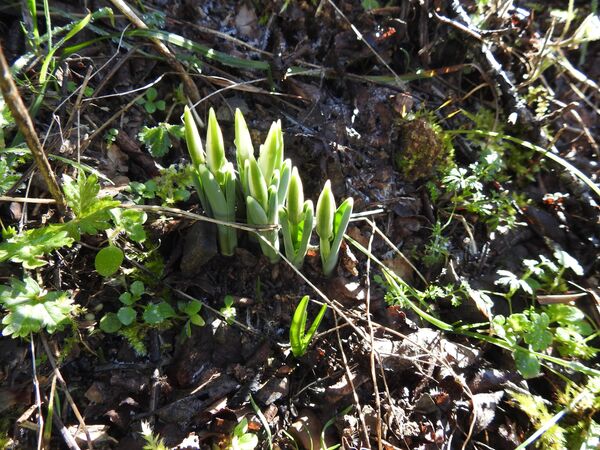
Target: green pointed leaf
[(299, 338), (213, 192), (257, 185), (192, 138), (325, 212), (256, 213), (295, 199), (271, 152), (243, 141), (329, 257), (197, 320), (305, 230), (273, 206), (215, 149), (285, 174)]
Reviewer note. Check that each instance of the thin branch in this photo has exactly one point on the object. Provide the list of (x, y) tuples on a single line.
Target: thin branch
[(63, 383), (25, 124), (372, 340), (47, 201), (38, 397)]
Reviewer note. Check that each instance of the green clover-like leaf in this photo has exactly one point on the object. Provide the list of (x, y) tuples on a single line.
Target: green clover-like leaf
[(538, 335), (527, 364), (157, 313)]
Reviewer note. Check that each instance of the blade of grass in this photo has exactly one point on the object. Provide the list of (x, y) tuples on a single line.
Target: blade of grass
[(48, 23), (264, 422), (24, 60), (80, 25), (48, 423), (32, 9), (207, 52)]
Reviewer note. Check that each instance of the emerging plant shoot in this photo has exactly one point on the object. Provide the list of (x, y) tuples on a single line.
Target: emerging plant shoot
[(331, 226)]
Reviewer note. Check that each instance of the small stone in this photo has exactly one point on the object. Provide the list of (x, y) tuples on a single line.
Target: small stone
[(273, 390), (200, 245)]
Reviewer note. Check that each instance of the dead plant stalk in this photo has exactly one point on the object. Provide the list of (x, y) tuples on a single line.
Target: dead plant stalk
[(25, 124)]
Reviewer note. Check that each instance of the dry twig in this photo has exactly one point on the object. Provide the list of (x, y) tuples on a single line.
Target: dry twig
[(63, 383), (25, 124)]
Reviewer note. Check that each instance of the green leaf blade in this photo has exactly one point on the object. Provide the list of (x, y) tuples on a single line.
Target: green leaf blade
[(108, 260)]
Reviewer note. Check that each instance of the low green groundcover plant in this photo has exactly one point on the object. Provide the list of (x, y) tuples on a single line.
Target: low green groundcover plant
[(31, 308)]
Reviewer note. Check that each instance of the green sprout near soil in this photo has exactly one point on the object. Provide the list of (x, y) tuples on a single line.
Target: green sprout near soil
[(266, 182), (300, 338), (297, 221), (215, 177), (150, 102), (331, 226), (228, 310), (158, 139), (241, 438), (272, 189), (153, 440)]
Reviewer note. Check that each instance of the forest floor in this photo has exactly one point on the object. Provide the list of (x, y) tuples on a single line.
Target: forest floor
[(464, 312)]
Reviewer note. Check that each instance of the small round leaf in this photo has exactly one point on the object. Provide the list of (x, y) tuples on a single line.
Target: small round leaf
[(126, 315), (137, 288), (527, 364), (110, 323), (108, 260)]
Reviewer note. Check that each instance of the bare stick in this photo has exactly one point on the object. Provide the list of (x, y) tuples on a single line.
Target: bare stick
[(372, 340), (25, 124), (38, 397), (190, 88), (63, 383)]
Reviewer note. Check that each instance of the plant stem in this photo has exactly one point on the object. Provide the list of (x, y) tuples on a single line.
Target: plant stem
[(25, 124)]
